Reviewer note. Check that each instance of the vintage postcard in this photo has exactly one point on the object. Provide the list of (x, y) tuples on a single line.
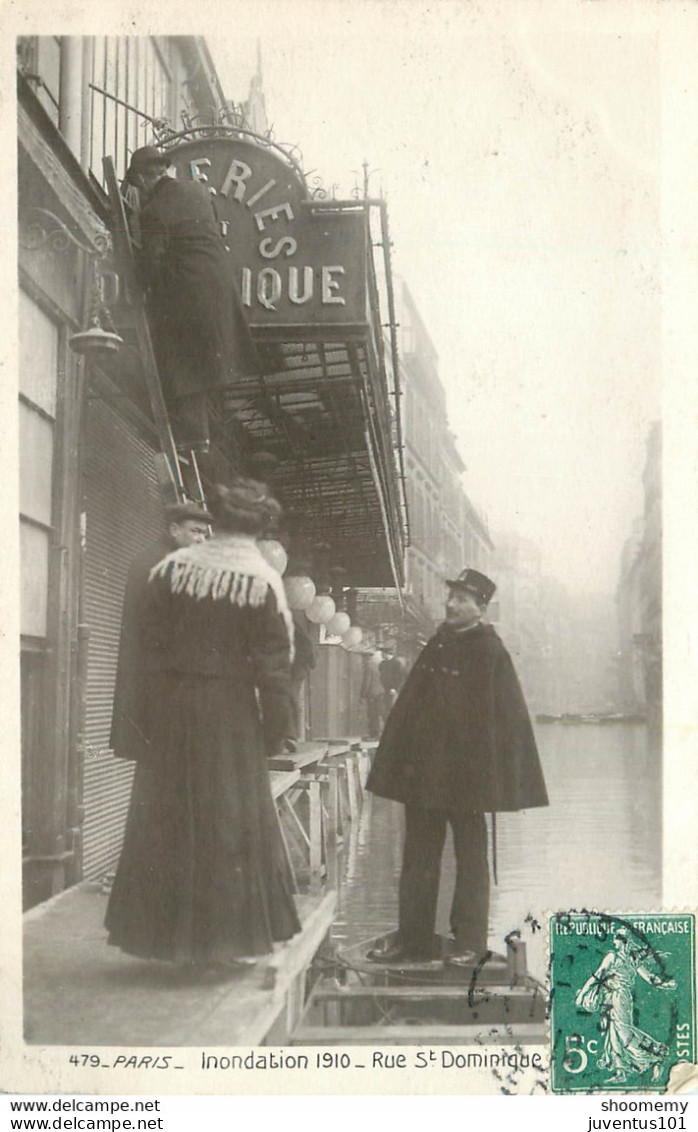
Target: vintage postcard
[(349, 670)]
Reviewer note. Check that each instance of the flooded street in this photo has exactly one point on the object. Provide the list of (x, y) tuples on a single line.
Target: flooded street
[(598, 844)]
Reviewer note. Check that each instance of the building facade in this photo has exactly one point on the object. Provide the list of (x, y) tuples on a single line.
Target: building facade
[(446, 530), (89, 495), (92, 470), (564, 644)]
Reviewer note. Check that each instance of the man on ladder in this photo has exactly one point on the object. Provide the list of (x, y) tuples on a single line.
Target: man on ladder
[(200, 336)]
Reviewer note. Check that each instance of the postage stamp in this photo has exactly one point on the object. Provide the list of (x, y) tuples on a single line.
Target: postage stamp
[(622, 1000)]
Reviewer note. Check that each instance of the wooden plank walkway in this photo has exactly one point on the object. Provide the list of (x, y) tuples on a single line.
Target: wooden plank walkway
[(317, 806), (455, 1005), (281, 781), (80, 991), (306, 755), (500, 1035)]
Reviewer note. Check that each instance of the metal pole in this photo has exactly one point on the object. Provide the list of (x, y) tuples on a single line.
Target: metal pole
[(395, 357), (121, 102)]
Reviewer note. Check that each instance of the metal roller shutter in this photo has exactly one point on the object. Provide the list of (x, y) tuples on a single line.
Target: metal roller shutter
[(123, 514)]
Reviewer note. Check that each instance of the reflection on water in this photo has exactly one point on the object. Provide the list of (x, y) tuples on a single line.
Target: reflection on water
[(598, 844)]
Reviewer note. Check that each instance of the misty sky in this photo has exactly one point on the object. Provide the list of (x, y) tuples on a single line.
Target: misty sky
[(520, 159)]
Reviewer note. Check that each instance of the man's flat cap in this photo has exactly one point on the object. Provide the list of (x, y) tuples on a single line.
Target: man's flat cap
[(475, 582), (147, 157), (180, 512)]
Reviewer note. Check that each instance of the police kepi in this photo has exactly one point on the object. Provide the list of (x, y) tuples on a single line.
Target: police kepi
[(478, 584)]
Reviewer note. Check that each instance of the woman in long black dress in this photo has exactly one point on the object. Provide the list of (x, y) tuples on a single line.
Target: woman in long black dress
[(203, 876)]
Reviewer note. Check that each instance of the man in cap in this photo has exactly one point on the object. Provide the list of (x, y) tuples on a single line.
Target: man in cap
[(457, 745), (186, 524), (201, 338), (372, 693)]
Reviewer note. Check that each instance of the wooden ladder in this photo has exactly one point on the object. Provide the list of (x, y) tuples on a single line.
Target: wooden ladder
[(178, 474)]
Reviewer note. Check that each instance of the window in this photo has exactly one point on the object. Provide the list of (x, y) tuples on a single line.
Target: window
[(421, 430), (417, 578), (428, 443), (138, 70), (38, 350), (38, 368), (409, 422), (420, 516), (408, 343), (411, 506)]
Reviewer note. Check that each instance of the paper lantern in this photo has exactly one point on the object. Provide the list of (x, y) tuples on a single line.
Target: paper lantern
[(322, 610), (273, 553), (300, 591), (352, 637), (339, 624)]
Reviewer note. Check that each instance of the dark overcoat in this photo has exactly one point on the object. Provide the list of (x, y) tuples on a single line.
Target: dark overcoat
[(392, 674), (459, 736), (128, 739), (200, 333)]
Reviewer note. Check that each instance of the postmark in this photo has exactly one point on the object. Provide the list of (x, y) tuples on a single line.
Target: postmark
[(622, 1000)]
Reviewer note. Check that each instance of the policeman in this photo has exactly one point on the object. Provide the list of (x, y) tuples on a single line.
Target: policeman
[(457, 745)]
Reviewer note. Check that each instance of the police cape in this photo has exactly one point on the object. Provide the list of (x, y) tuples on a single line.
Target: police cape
[(459, 736)]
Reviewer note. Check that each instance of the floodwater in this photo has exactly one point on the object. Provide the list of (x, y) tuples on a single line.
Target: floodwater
[(597, 846)]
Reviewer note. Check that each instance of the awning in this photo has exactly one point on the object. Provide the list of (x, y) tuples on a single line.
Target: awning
[(321, 404)]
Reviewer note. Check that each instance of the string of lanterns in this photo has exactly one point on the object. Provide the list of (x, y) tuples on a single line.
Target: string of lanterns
[(302, 595), (274, 554)]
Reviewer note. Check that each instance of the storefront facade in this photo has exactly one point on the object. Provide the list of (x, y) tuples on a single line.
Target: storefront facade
[(91, 466), (89, 496)]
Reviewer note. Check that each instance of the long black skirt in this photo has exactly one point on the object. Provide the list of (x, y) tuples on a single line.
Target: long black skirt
[(203, 875)]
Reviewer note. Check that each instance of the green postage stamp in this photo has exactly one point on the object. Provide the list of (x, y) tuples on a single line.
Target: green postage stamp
[(622, 1000)]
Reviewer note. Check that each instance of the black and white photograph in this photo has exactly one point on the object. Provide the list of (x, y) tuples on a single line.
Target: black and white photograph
[(349, 632)]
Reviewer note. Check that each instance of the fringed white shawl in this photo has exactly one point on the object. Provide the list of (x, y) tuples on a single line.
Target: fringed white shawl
[(226, 566)]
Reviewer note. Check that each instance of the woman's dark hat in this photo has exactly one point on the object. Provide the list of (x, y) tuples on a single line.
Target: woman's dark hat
[(145, 158), (180, 512), (475, 583)]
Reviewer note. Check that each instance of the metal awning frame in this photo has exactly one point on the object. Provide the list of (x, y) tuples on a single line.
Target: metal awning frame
[(358, 362), (265, 406), (354, 387)]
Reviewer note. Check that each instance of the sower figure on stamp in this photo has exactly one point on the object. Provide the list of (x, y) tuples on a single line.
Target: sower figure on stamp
[(201, 339), (458, 744), (611, 991)]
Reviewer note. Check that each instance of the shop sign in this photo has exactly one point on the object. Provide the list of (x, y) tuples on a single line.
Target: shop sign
[(295, 267)]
